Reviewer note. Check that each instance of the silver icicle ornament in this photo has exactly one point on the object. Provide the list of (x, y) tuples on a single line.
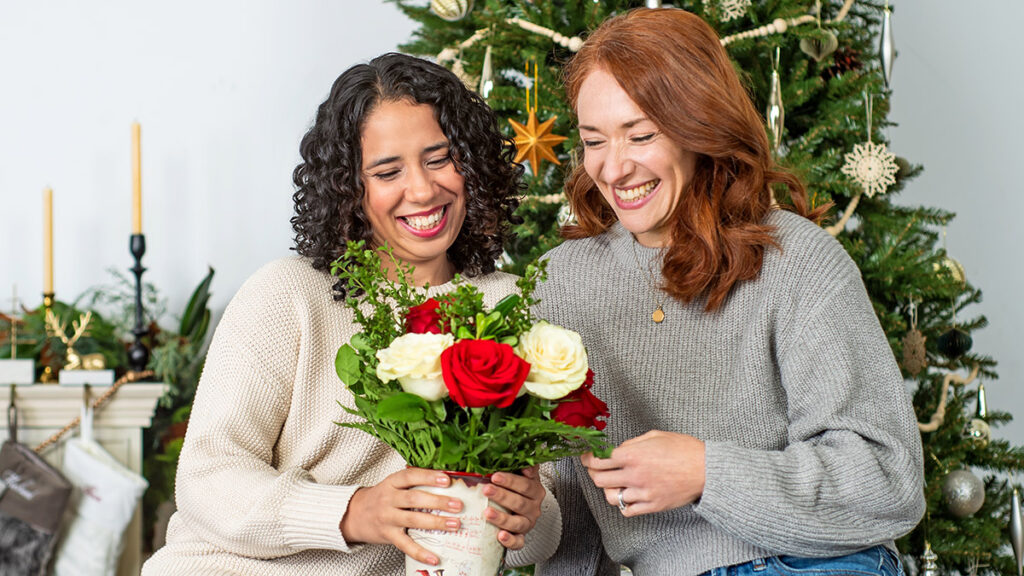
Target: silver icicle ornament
[(776, 113), (885, 47), (1017, 532), (981, 410), (486, 74)]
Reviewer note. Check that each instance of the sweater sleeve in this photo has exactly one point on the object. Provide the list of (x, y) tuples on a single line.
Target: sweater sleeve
[(228, 488), (580, 551), (851, 475)]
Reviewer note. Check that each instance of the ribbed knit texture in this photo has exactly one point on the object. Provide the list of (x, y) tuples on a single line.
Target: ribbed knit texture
[(265, 475), (812, 447)]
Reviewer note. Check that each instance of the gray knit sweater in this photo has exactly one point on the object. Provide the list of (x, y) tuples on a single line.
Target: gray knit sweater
[(811, 442)]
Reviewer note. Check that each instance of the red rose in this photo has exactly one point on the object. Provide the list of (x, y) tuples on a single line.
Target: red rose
[(424, 318), (581, 408), (483, 373)]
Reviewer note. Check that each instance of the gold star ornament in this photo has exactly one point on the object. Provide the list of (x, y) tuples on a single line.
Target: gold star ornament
[(535, 142)]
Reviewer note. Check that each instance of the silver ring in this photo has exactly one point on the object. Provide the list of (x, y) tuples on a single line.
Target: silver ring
[(622, 503)]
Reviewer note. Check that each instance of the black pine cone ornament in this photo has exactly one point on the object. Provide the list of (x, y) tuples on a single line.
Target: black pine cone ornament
[(955, 343), (844, 60)]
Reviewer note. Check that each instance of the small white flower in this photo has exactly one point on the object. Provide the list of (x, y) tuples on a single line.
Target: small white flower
[(415, 361), (558, 360)]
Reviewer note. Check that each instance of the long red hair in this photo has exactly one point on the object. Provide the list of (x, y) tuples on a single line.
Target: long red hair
[(673, 67)]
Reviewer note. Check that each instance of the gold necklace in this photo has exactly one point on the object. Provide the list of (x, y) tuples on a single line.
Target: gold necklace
[(658, 316)]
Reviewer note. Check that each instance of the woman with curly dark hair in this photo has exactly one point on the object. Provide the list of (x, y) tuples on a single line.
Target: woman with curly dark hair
[(330, 180), (761, 423), (400, 153)]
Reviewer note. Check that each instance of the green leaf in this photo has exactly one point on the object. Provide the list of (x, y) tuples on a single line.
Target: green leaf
[(403, 407), (359, 342), (192, 318), (199, 334), (506, 304), (348, 366), (366, 407), (440, 412)]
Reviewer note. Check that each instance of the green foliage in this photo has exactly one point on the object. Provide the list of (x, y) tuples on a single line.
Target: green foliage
[(176, 358), (37, 342), (898, 248), (441, 434), (117, 301)]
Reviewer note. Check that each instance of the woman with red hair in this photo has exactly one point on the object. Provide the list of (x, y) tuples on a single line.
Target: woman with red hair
[(760, 418)]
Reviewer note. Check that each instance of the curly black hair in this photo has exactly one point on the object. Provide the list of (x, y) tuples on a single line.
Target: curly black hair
[(329, 188)]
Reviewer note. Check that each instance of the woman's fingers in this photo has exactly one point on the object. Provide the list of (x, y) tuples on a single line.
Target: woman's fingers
[(411, 477), (612, 478), (427, 521), (521, 497), (510, 522), (420, 499), (594, 463), (510, 540), (403, 542), (513, 501), (529, 486)]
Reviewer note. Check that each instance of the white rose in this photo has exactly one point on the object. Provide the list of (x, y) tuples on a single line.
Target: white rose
[(558, 360), (415, 361)]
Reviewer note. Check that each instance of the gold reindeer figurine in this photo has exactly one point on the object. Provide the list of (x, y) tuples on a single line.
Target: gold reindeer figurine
[(73, 360)]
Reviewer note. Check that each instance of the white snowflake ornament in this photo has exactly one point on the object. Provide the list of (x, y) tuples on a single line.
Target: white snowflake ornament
[(732, 9), (872, 166)]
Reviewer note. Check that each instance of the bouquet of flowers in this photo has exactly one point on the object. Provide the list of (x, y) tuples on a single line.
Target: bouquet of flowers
[(454, 386)]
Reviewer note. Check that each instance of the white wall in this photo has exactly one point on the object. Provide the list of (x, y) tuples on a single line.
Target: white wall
[(958, 93), (225, 90)]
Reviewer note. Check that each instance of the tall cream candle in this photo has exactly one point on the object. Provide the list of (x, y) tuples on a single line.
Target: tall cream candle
[(136, 178), (48, 241)]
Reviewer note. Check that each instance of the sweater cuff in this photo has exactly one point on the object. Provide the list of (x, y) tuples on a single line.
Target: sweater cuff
[(726, 484), (311, 517)]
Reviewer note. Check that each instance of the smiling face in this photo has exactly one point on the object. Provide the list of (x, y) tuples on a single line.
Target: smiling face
[(639, 170), (413, 197)]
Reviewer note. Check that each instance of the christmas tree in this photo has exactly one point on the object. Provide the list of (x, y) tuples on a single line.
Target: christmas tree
[(819, 70)]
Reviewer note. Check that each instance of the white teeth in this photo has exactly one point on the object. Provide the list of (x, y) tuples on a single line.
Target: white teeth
[(637, 192), (424, 222)]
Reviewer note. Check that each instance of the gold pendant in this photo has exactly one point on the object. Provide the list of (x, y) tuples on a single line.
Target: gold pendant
[(658, 315)]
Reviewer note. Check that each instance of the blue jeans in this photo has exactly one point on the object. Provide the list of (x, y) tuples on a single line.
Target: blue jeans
[(877, 561)]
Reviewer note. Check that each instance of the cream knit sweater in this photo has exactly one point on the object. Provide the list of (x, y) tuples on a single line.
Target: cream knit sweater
[(265, 474)]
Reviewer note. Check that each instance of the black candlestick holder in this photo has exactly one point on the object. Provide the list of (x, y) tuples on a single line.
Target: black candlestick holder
[(138, 355)]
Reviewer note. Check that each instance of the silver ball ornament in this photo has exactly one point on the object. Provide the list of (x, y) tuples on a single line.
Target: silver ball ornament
[(565, 216), (964, 493), (978, 432), (451, 10)]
